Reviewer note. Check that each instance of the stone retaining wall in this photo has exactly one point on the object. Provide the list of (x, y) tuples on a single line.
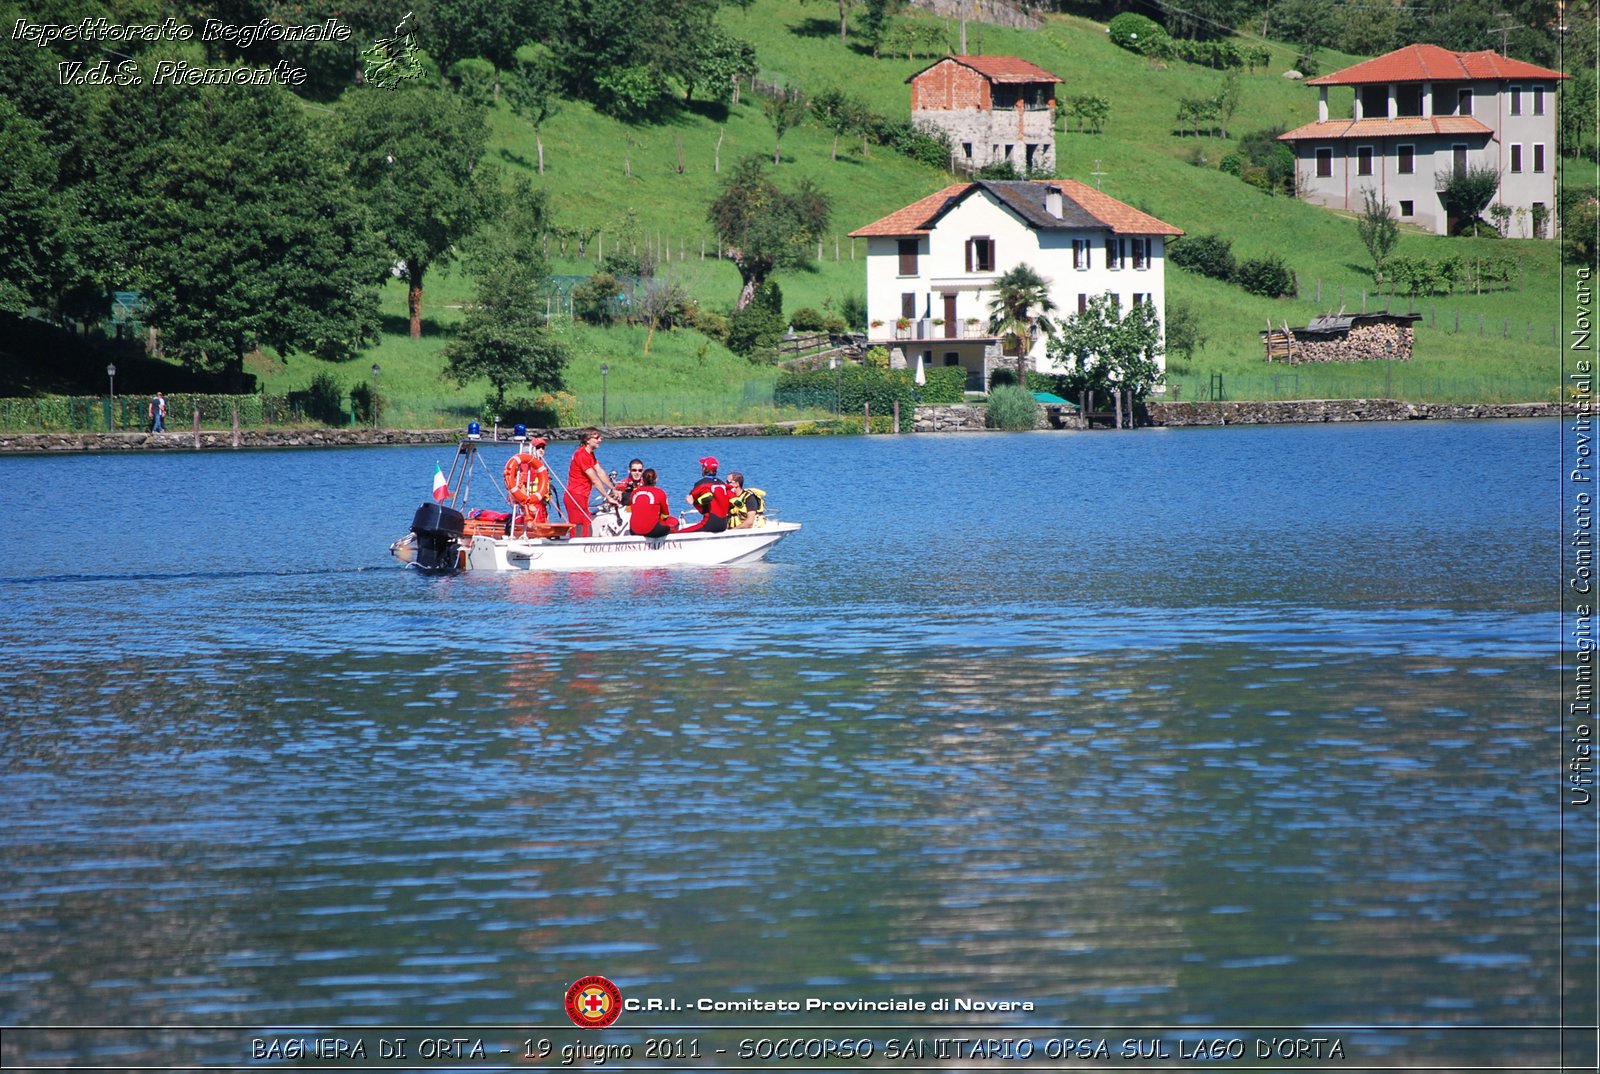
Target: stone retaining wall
[(1330, 410), (948, 418), (212, 439)]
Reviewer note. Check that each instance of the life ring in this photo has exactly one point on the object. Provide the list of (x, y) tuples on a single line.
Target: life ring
[(528, 485)]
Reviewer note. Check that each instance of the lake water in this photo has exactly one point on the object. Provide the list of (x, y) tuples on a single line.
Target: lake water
[(1243, 734)]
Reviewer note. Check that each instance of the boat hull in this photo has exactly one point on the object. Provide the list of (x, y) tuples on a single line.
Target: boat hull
[(628, 552)]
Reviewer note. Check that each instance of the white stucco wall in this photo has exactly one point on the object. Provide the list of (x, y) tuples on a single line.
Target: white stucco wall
[(941, 269)]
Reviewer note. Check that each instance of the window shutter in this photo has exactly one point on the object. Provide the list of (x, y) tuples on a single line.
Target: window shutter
[(969, 255)]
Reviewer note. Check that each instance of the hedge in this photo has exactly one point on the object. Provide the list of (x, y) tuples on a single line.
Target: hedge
[(87, 413), (852, 386)]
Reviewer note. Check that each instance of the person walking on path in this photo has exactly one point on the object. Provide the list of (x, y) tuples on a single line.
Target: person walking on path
[(158, 413)]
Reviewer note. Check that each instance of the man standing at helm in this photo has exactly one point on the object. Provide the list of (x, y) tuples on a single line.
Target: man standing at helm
[(583, 476), (528, 486)]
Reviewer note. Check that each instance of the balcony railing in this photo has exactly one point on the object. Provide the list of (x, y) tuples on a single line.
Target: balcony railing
[(926, 328)]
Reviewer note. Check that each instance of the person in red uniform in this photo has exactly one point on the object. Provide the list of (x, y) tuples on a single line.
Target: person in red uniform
[(710, 497), (528, 486), (626, 486), (583, 476), (650, 517)]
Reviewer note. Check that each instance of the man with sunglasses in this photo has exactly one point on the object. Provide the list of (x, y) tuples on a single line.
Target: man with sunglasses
[(583, 476)]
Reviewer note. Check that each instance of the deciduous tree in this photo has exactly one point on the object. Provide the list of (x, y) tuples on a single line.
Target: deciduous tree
[(1102, 348), (250, 237), (505, 338), (414, 157), (763, 227), (1379, 230)]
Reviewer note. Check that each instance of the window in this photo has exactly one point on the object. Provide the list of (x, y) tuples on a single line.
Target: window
[(1408, 208), (1374, 102), (1027, 155), (1405, 159), (1009, 150), (1115, 252), (1516, 158), (1363, 160), (1080, 253), (980, 254), (908, 305), (1083, 302), (908, 257), (1116, 300), (1141, 299), (952, 358), (966, 150), (1464, 102), (1408, 100), (1324, 163), (1516, 100), (1538, 100), (1458, 160), (1141, 253), (1538, 156)]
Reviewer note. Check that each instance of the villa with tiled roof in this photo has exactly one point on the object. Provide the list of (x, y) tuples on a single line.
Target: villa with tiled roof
[(1422, 114), (931, 265), (993, 108)]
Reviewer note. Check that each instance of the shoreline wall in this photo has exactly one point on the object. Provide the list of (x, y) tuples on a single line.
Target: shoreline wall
[(951, 418)]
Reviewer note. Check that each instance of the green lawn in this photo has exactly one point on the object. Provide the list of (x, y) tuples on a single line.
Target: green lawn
[(649, 185)]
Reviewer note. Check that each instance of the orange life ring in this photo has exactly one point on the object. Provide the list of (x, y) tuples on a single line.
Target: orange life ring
[(528, 485)]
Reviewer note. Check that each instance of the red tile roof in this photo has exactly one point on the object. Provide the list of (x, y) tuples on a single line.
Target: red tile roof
[(1385, 128), (914, 218), (1430, 63), (919, 217), (1120, 217), (998, 68)]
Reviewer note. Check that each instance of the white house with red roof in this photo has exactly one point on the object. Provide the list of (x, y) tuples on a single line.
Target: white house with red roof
[(993, 108), (932, 266), (1423, 113)]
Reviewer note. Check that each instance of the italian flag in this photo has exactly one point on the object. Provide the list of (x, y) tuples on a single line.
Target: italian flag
[(441, 491)]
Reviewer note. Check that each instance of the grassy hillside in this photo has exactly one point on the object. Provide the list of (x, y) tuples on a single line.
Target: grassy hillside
[(650, 185)]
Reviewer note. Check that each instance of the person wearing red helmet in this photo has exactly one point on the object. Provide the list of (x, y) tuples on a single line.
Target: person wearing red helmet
[(710, 497)]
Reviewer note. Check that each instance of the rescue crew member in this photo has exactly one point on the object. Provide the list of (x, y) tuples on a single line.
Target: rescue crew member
[(626, 486), (650, 517), (710, 497), (745, 505), (528, 485), (583, 476)]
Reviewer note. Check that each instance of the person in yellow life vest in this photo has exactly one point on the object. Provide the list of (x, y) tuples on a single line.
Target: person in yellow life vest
[(746, 506), (528, 486)]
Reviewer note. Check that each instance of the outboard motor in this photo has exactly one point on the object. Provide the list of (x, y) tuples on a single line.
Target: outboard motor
[(439, 530)]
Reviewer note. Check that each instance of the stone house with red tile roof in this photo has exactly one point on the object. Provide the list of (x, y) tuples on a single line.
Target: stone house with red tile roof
[(931, 265), (992, 108), (1423, 113)]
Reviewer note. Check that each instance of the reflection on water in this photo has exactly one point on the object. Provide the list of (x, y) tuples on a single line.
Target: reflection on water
[(1153, 761)]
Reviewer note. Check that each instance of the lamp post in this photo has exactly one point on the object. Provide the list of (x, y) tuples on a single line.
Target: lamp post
[(604, 370), (111, 378), (375, 372)]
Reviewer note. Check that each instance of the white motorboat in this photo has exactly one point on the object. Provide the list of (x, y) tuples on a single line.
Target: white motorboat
[(444, 538)]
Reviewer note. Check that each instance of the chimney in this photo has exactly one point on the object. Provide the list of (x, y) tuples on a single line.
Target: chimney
[(1052, 202)]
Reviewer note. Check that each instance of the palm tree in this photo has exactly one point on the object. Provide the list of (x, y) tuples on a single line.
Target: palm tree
[(1021, 307)]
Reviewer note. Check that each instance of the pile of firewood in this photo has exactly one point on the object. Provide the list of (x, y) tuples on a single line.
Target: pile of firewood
[(1363, 343)]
